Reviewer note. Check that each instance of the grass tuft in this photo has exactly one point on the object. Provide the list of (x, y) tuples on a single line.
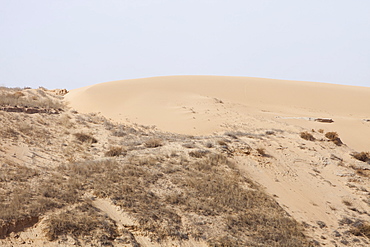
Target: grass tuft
[(334, 137), (362, 156), (307, 136), (153, 143), (85, 138)]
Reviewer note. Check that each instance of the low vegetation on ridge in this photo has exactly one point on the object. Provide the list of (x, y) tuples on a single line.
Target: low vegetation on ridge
[(55, 168)]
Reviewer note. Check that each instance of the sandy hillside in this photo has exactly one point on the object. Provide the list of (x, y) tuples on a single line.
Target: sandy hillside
[(204, 104), (317, 182), (250, 165)]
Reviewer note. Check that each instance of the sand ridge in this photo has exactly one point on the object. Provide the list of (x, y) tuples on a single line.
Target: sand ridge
[(200, 105)]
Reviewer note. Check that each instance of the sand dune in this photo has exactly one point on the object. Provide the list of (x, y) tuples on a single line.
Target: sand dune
[(205, 104), (259, 123)]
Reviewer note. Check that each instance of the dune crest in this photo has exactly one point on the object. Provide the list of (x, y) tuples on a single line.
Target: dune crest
[(200, 105)]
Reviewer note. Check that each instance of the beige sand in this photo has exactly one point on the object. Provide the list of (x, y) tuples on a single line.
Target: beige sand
[(205, 104), (303, 176)]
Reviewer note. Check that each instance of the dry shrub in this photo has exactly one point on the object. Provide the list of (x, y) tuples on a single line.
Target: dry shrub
[(223, 194), (153, 143), (307, 136), (85, 138), (222, 143), (321, 131), (362, 156), (80, 222), (261, 151), (18, 94), (334, 137), (18, 99), (347, 202), (209, 145), (115, 151), (189, 145), (9, 132), (198, 153), (363, 172), (361, 229)]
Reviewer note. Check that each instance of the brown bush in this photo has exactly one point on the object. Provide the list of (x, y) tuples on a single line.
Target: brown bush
[(198, 153), (84, 220), (261, 151), (85, 138), (362, 156), (362, 229), (115, 151), (334, 137), (307, 136)]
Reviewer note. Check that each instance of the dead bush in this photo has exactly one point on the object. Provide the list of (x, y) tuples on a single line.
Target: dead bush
[(361, 229), (9, 132), (198, 153), (261, 151), (334, 137), (80, 222), (19, 100), (85, 138), (362, 156), (115, 151), (307, 136), (153, 143)]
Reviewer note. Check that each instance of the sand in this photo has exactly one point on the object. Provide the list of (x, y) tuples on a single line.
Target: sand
[(303, 176), (200, 105)]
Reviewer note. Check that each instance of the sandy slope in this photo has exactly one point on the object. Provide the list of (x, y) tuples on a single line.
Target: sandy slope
[(204, 104), (305, 177)]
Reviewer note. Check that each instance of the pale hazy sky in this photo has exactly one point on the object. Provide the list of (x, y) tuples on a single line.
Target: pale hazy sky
[(74, 43)]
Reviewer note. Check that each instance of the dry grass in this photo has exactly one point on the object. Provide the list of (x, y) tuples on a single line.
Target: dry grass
[(154, 143), (347, 203), (18, 99), (115, 151), (361, 229), (83, 221), (262, 152), (9, 133), (334, 137), (307, 136), (208, 187), (198, 153), (189, 194), (82, 137)]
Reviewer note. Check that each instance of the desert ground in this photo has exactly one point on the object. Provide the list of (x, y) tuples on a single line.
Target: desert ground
[(186, 161)]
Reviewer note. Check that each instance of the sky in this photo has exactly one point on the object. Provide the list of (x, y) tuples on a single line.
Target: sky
[(75, 43)]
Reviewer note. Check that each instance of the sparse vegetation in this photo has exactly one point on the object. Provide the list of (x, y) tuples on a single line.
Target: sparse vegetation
[(83, 221), (153, 143), (362, 156), (198, 153), (19, 99), (189, 188), (347, 202), (361, 229), (307, 136), (115, 151), (261, 151), (334, 137), (82, 137)]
